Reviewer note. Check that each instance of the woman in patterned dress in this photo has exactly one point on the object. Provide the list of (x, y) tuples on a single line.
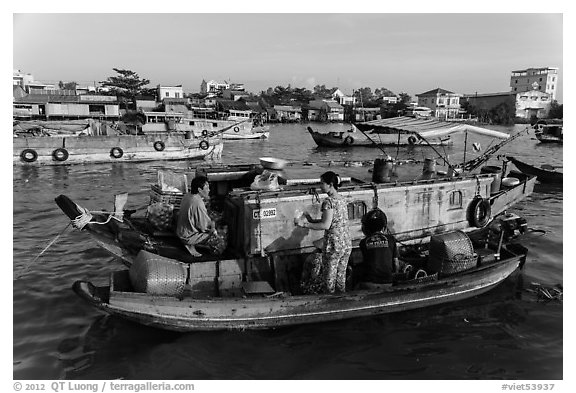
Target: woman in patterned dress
[(337, 243)]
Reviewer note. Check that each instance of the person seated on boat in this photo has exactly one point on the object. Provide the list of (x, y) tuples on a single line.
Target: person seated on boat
[(337, 245), (379, 251), (194, 226)]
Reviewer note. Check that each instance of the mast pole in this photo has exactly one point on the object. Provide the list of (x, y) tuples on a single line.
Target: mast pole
[(465, 143)]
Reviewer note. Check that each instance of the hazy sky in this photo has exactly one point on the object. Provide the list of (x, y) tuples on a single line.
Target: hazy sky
[(412, 53)]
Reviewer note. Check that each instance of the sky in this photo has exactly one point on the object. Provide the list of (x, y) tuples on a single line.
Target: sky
[(403, 52)]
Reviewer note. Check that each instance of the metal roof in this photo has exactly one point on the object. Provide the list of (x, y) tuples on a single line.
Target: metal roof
[(428, 128)]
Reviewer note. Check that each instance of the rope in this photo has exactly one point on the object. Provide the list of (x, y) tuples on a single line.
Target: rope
[(375, 199), (27, 266), (85, 218)]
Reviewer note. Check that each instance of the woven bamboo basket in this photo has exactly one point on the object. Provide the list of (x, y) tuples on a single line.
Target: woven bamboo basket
[(451, 252), (157, 275)]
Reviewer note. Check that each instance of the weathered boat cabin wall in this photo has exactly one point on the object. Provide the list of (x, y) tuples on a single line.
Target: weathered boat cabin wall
[(67, 106), (264, 221)]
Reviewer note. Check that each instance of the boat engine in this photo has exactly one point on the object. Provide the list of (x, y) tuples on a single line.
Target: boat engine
[(508, 226)]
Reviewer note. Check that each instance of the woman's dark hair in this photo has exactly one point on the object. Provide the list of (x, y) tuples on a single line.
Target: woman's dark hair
[(373, 221), (331, 178), (197, 183)]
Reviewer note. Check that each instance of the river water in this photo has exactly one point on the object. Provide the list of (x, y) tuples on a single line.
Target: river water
[(507, 333)]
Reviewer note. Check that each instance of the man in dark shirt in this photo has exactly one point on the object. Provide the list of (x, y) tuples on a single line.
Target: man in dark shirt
[(379, 251)]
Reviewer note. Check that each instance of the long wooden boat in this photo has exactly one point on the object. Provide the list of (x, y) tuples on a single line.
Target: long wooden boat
[(549, 131), (231, 128), (66, 148), (355, 138), (251, 309), (542, 174)]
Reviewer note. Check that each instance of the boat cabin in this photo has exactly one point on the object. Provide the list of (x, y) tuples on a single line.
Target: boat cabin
[(264, 245)]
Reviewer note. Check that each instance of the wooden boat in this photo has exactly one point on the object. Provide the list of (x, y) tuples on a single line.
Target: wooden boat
[(231, 127), (544, 174), (549, 131), (45, 144), (257, 308), (355, 138), (265, 250)]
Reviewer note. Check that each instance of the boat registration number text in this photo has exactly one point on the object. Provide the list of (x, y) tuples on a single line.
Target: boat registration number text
[(264, 213)]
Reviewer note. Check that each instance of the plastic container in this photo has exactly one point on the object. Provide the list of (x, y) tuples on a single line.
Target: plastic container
[(495, 187), (509, 182), (382, 170)]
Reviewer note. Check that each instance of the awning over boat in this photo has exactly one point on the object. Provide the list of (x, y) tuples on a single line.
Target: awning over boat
[(427, 128)]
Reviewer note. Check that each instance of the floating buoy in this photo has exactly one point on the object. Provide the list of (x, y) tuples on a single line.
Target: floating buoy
[(29, 155), (116, 152), (479, 211), (159, 146), (60, 154)]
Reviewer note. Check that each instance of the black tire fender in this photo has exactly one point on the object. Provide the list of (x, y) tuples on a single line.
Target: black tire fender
[(236, 129), (159, 146), (29, 155), (116, 152), (479, 212), (412, 140), (60, 154), (348, 140), (204, 145)]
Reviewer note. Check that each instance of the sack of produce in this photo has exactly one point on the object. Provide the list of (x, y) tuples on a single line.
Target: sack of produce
[(160, 215)]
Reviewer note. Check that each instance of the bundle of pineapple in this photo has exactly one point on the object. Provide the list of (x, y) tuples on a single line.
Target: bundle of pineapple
[(160, 215)]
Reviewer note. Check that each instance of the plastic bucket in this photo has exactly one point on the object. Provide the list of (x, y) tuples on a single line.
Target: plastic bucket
[(495, 187), (382, 169)]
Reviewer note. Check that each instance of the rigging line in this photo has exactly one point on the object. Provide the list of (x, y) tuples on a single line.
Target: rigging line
[(27, 266)]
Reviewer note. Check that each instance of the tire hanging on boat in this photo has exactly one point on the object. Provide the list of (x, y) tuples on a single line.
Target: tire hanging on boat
[(116, 152), (236, 129), (412, 140), (159, 146), (204, 145), (29, 155), (204, 133), (479, 212), (60, 154), (348, 140)]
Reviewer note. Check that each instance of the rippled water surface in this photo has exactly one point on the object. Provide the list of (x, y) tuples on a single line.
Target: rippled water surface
[(506, 333)]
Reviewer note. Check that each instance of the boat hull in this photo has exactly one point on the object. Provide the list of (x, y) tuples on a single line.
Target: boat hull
[(189, 314), (245, 135), (542, 175), (106, 149), (357, 139)]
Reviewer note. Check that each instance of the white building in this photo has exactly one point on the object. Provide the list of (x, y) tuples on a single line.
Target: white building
[(169, 92), (533, 103), (545, 77)]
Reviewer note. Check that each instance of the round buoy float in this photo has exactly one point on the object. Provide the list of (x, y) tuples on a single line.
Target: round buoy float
[(29, 155), (60, 154), (159, 146), (479, 211), (116, 152)]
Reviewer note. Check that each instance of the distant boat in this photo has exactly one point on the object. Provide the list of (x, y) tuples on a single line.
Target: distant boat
[(231, 127), (354, 137), (549, 131), (544, 174), (89, 141)]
